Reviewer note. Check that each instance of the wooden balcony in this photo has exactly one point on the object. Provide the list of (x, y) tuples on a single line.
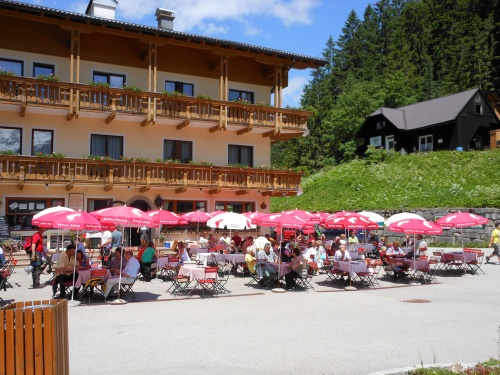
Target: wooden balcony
[(108, 174), (150, 107)]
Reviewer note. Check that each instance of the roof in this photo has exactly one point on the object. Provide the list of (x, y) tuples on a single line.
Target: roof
[(430, 112), (16, 5)]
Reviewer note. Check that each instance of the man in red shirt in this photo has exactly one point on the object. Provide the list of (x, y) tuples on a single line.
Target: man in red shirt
[(237, 239), (36, 256)]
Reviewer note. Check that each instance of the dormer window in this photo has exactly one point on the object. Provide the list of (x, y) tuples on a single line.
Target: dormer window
[(479, 109), (380, 125)]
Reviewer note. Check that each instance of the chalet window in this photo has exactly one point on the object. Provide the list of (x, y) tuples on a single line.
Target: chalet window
[(238, 207), (181, 207), (42, 141), (240, 155), (389, 142), (185, 88), (11, 139), (380, 125), (43, 69), (425, 142), (180, 150), (12, 66), (20, 211), (114, 80), (479, 109), (98, 204), (106, 145), (240, 95)]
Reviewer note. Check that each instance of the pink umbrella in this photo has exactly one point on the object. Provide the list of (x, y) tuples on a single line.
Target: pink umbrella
[(163, 217), (322, 216), (52, 210), (337, 214), (215, 213), (461, 220), (254, 216), (350, 221), (125, 216), (72, 220), (283, 220), (415, 226), (196, 217), (305, 215)]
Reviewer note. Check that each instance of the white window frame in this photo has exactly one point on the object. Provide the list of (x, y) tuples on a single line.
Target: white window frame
[(388, 140), (426, 138)]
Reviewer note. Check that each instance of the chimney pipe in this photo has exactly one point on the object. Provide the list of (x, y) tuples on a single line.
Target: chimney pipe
[(165, 18)]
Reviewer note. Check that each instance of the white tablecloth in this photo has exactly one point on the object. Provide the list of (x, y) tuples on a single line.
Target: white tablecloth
[(195, 272), (207, 257), (84, 276), (353, 267), (282, 268), (415, 265), (234, 258), (196, 250)]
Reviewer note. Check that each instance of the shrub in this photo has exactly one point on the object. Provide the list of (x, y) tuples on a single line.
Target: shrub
[(99, 84)]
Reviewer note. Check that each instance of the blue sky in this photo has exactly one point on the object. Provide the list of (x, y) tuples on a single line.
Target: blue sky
[(299, 26)]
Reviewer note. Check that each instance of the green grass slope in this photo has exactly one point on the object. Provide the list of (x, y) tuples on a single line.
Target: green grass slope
[(392, 181)]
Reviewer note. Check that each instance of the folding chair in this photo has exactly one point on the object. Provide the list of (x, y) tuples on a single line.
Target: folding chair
[(220, 285), (303, 280), (180, 284), (475, 265), (255, 278), (438, 256), (94, 284), (170, 269), (367, 277), (427, 273), (336, 274), (9, 268), (449, 262), (128, 289), (209, 281)]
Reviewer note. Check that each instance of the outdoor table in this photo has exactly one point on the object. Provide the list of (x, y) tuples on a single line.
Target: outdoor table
[(207, 257), (234, 258), (352, 267), (194, 272), (84, 276), (283, 270), (414, 264), (196, 250), (354, 254)]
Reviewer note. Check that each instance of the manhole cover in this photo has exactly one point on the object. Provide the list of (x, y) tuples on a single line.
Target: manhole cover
[(416, 301)]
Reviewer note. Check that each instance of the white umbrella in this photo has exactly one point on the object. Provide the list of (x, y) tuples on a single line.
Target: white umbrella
[(402, 216), (373, 217), (230, 220)]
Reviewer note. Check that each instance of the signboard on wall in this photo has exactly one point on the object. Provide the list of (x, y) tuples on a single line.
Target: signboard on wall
[(4, 228), (76, 201)]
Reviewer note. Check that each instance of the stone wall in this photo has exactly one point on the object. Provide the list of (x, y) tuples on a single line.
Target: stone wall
[(453, 236)]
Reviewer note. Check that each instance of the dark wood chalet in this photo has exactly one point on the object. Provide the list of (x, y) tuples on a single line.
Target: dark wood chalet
[(463, 120)]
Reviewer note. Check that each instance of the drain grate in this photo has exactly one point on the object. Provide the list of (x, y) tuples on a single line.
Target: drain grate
[(416, 301)]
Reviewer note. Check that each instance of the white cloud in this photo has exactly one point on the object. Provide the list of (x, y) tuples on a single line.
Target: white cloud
[(293, 93), (190, 14), (211, 29)]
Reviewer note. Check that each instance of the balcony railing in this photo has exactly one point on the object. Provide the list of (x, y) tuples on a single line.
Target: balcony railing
[(28, 170), (75, 97)]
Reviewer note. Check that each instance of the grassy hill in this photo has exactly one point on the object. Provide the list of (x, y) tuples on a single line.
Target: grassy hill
[(388, 180)]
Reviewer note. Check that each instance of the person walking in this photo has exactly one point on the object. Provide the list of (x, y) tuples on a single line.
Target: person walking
[(495, 243), (36, 256)]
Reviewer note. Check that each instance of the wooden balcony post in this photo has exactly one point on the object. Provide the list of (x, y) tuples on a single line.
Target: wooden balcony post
[(148, 182), (21, 177), (24, 99), (71, 182), (109, 185), (113, 109)]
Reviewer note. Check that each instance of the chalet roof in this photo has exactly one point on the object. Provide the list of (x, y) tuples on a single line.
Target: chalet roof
[(430, 112), (79, 17)]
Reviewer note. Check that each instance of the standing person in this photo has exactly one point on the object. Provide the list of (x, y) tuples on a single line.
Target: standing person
[(104, 247), (36, 256), (116, 239), (495, 242)]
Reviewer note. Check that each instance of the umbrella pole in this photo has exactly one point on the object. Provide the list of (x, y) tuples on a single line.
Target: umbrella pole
[(279, 289), (120, 301), (463, 252), (413, 282), (350, 287), (156, 279), (72, 302)]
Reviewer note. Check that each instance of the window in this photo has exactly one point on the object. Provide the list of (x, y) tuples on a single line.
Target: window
[(182, 207), (114, 80), (185, 88), (106, 145), (240, 155), (479, 109), (180, 150), (389, 142), (98, 204), (240, 95), (42, 141), (238, 207), (10, 139), (425, 143), (20, 211), (380, 125), (12, 66), (43, 69)]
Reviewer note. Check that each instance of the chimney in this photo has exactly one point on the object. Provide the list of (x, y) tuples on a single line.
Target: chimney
[(102, 8), (165, 18)]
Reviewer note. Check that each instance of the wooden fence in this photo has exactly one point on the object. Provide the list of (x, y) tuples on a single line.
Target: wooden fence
[(34, 339)]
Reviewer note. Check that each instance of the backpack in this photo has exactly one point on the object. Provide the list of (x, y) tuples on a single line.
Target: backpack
[(28, 244)]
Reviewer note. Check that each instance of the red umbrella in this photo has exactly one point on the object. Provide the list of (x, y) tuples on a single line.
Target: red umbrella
[(164, 217), (215, 213), (254, 216), (283, 220), (196, 217), (305, 215), (350, 220), (125, 216), (461, 220), (72, 221), (337, 214), (415, 226)]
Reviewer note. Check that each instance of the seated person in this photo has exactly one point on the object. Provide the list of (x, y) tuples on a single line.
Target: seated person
[(236, 239), (265, 257), (420, 244), (335, 246), (117, 263), (297, 262), (392, 254), (286, 254), (408, 242), (64, 270), (248, 242), (203, 241), (82, 261), (182, 253), (148, 257), (371, 238), (129, 273), (211, 241), (353, 240), (224, 240), (341, 255), (232, 249), (320, 255), (250, 259), (144, 245)]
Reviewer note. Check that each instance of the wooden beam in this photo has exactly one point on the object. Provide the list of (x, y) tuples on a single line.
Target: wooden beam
[(23, 100), (214, 191), (180, 190), (112, 115), (244, 130), (268, 134), (183, 124), (267, 193), (242, 192), (214, 129)]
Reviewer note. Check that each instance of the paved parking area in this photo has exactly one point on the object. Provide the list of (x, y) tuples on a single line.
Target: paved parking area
[(323, 331)]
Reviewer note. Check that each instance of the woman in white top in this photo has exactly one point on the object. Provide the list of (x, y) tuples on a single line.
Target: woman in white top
[(182, 253), (341, 255)]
